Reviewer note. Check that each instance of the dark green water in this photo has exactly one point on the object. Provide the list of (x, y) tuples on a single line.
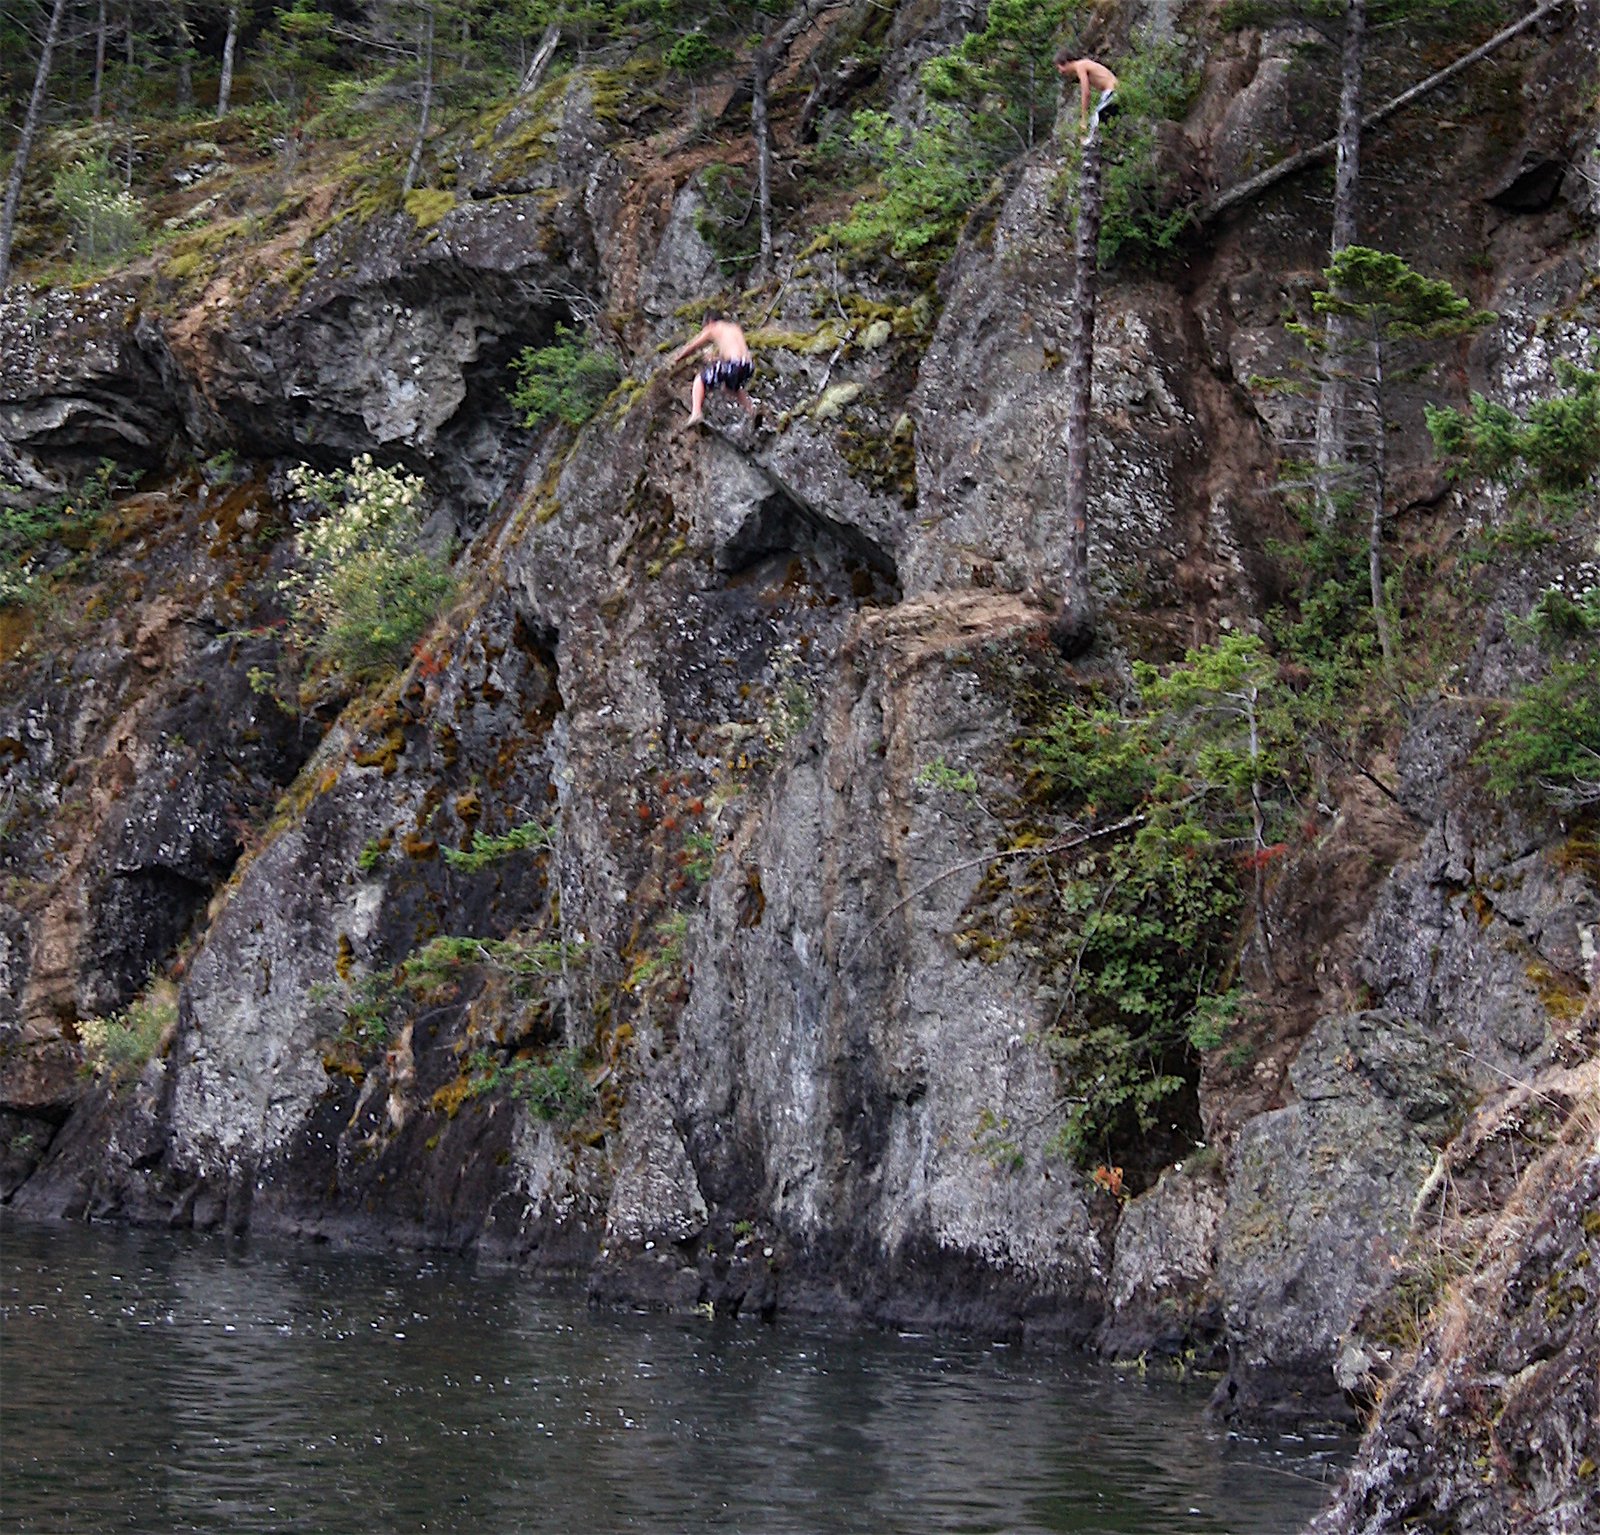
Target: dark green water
[(159, 1383)]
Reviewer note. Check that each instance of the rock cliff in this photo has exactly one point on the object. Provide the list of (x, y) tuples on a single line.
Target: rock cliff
[(764, 685)]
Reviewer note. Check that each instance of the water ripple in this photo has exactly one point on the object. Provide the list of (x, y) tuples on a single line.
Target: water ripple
[(168, 1383)]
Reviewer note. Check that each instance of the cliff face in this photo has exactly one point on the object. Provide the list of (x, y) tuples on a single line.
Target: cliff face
[(740, 675)]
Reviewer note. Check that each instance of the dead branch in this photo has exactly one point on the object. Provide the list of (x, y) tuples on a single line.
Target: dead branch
[(1039, 850), (1209, 211)]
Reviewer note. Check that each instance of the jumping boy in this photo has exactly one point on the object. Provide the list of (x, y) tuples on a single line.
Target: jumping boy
[(730, 369), (1090, 73)]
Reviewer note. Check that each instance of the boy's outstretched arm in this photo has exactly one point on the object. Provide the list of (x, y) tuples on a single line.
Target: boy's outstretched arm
[(689, 346)]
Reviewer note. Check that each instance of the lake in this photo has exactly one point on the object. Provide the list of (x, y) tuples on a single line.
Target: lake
[(167, 1382)]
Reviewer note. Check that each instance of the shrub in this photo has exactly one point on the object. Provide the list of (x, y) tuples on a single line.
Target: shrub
[(118, 1047), (555, 1090), (929, 179), (1140, 215), (567, 380), (1548, 736), (938, 774), (696, 54), (700, 855), (528, 963), (1547, 457), (1179, 791), (487, 850), (31, 535), (363, 596), (989, 98), (105, 220), (1005, 74), (725, 218)]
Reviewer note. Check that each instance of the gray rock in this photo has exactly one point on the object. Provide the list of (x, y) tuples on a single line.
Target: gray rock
[(1319, 1205)]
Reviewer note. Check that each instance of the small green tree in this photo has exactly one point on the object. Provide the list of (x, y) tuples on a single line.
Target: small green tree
[(294, 56), (117, 1048), (567, 380), (929, 178), (989, 99), (1143, 217), (1004, 74), (1546, 459), (1392, 318)]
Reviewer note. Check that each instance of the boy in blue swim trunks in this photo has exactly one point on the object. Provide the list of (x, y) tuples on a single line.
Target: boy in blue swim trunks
[(730, 369)]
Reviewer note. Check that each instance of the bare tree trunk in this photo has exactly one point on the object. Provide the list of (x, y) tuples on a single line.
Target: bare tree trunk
[(1215, 207), (229, 44), (1380, 494), (97, 99), (426, 54), (30, 127), (1250, 701), (1347, 167), (761, 127), (127, 86), (185, 39), (1332, 405), (769, 55), (541, 60), (1074, 626)]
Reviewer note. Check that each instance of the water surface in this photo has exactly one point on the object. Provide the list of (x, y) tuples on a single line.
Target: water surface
[(160, 1382)]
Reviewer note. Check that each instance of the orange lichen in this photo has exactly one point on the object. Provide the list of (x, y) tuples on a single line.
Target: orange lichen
[(448, 1099), (386, 754)]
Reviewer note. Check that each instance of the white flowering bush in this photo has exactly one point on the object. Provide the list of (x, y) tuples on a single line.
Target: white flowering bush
[(18, 588), (116, 1048), (105, 219), (363, 593)]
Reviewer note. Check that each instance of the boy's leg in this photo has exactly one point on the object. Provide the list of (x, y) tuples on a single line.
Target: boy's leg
[(697, 400), (747, 402)]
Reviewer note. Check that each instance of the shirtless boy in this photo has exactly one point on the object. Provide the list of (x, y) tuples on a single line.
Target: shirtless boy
[(729, 369), (1090, 74)]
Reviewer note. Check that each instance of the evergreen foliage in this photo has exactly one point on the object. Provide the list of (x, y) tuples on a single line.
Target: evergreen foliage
[(1391, 302), (1141, 217), (1394, 317), (118, 1047), (487, 850), (989, 99), (726, 218), (565, 381), (1003, 76), (1548, 737), (929, 179), (1547, 458), (35, 539), (1188, 781), (526, 962)]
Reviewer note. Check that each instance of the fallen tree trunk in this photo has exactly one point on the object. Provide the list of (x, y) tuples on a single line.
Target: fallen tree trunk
[(1215, 207)]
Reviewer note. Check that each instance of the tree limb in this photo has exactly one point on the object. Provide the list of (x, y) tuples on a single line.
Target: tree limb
[(1060, 845)]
